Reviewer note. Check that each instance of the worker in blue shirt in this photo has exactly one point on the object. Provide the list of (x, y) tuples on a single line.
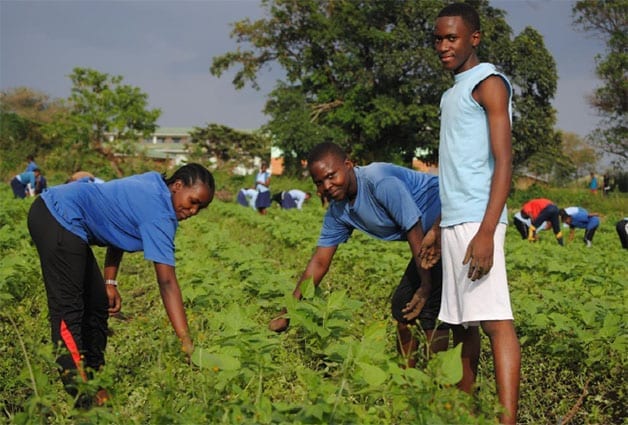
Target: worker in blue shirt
[(577, 217), (26, 183), (136, 213), (390, 203)]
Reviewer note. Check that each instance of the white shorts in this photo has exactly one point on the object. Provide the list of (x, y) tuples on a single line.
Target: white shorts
[(466, 302)]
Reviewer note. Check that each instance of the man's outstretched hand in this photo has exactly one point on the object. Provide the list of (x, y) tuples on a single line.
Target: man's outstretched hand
[(279, 323)]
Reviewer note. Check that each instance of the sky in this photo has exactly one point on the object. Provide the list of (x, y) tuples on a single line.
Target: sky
[(166, 47)]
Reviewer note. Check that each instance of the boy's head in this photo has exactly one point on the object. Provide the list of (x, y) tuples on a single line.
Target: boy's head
[(456, 36), (468, 14), (564, 217), (332, 172)]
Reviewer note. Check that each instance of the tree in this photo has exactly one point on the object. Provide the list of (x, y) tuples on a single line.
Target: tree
[(365, 74), (229, 146), (23, 114), (608, 19), (105, 117)]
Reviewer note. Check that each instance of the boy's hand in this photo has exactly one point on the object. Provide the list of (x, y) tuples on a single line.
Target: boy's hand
[(479, 255), (187, 346), (430, 250), (416, 304), (279, 323)]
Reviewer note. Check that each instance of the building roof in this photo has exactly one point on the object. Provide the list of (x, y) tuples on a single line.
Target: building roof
[(173, 131)]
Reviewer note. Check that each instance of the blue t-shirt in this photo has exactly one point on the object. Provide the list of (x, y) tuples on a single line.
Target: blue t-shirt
[(133, 214), (28, 177), (579, 217), (465, 161), (31, 166), (390, 200)]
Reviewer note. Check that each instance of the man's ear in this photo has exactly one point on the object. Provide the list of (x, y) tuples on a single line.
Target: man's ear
[(475, 39)]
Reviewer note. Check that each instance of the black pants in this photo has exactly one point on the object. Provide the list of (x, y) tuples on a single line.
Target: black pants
[(549, 213), (622, 231), (77, 298), (19, 188), (410, 282), (522, 227)]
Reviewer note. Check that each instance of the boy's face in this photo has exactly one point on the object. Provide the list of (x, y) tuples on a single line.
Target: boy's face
[(455, 44), (334, 178)]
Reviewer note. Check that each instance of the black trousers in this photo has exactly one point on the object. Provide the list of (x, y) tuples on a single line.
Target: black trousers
[(622, 232), (549, 213), (77, 298), (410, 282)]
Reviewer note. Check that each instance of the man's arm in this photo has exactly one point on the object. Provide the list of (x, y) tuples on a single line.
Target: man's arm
[(493, 95), (316, 269), (416, 304)]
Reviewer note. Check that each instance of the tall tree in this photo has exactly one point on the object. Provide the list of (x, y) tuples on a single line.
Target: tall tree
[(365, 74), (105, 117), (227, 145), (23, 114), (608, 19)]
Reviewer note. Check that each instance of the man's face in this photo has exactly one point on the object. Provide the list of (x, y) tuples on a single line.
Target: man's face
[(455, 44), (334, 177)]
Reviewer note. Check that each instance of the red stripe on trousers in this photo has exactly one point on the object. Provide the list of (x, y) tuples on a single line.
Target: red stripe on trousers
[(69, 341)]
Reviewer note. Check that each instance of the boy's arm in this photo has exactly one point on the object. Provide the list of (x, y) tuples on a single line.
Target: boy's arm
[(493, 95), (416, 304), (316, 269)]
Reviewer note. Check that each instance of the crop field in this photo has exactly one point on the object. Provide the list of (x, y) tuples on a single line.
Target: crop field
[(337, 363)]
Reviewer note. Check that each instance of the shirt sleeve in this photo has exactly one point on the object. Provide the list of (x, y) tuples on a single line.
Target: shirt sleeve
[(334, 231), (158, 241)]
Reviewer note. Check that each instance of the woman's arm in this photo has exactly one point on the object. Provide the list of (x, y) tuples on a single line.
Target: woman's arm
[(113, 257), (173, 302)]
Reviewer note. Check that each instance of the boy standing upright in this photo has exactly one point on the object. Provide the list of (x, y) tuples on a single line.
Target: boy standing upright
[(474, 175)]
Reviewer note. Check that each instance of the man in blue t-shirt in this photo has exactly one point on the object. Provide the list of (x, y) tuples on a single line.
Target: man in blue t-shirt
[(26, 183), (390, 203), (577, 217)]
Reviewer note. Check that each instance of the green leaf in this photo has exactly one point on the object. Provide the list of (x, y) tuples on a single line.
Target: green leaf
[(215, 361), (373, 375)]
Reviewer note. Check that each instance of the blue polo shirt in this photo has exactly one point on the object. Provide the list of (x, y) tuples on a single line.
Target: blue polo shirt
[(390, 200), (132, 214)]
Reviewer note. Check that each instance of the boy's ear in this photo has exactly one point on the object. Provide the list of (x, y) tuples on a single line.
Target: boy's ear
[(475, 38)]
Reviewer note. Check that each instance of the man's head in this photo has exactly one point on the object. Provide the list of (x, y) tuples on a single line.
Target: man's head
[(332, 172), (456, 36), (564, 217)]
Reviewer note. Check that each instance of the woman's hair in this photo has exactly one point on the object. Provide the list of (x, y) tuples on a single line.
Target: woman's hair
[(321, 150), (191, 174), (562, 213)]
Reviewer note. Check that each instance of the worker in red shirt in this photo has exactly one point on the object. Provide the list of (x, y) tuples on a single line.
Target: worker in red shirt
[(539, 211)]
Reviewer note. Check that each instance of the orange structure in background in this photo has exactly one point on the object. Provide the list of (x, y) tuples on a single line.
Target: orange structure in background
[(276, 166)]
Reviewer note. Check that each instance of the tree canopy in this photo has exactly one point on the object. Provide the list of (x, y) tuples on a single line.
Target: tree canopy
[(608, 19), (105, 117), (229, 146), (365, 75), (23, 115)]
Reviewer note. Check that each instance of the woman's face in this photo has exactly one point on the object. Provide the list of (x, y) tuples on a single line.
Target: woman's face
[(189, 200)]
